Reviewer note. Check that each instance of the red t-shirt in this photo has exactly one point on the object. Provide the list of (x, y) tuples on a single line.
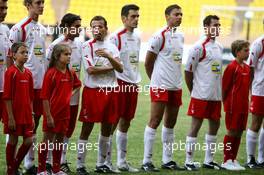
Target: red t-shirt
[(57, 88), (236, 82), (18, 87)]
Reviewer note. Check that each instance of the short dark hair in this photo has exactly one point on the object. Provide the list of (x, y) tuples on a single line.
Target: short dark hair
[(4, 0), (238, 45), (16, 46), (98, 18), (126, 8), (207, 19), (68, 19), (170, 8), (27, 2)]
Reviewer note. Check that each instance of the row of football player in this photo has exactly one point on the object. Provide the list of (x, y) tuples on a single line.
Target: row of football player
[(100, 59)]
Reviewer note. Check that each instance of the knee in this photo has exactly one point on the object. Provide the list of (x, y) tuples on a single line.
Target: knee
[(123, 125), (154, 122), (255, 127), (28, 141)]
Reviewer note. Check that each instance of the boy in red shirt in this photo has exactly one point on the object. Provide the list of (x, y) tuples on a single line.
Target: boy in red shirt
[(18, 97), (235, 92), (58, 85)]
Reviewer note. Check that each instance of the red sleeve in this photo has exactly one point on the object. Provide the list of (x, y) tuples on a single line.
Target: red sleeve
[(46, 90), (227, 79), (8, 85), (76, 82)]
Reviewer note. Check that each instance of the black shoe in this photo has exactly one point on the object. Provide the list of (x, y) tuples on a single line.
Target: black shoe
[(49, 168), (31, 171), (171, 166), (149, 167), (212, 165), (102, 169), (65, 168), (18, 172), (81, 171), (252, 164), (191, 167), (261, 165)]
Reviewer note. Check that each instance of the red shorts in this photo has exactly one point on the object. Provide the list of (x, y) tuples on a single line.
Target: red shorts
[(25, 130), (2, 106), (173, 98), (204, 109), (257, 105), (236, 121), (99, 106), (73, 117), (61, 126), (127, 100), (37, 103)]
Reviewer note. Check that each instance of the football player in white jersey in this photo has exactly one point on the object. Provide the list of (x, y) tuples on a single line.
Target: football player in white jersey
[(203, 76), (256, 62), (163, 67), (99, 97), (30, 31), (5, 61), (128, 43), (70, 27)]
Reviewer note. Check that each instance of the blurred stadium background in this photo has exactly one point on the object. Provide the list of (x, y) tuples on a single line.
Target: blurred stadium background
[(239, 18)]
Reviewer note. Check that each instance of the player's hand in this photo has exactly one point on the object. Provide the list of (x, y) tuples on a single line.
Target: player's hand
[(103, 53), (11, 123), (50, 122)]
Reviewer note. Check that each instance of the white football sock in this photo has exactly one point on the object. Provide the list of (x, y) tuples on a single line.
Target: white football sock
[(251, 140), (190, 148), (81, 153), (149, 138), (167, 142), (210, 141)]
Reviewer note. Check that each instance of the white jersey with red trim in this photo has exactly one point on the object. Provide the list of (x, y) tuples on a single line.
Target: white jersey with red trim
[(205, 61), (76, 59), (91, 59), (168, 45), (4, 46), (256, 59), (33, 34), (128, 44)]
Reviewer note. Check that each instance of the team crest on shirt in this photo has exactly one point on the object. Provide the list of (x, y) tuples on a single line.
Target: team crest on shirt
[(76, 67), (99, 62), (133, 58), (177, 57), (216, 67), (38, 50)]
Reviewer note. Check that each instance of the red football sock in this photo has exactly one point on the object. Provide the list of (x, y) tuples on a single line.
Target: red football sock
[(228, 147), (42, 156), (10, 156), (56, 155), (20, 155), (236, 147)]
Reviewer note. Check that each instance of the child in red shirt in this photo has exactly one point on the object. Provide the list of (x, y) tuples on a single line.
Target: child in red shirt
[(58, 85), (235, 91), (18, 97)]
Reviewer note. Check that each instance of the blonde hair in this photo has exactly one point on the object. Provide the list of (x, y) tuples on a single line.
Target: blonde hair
[(238, 45)]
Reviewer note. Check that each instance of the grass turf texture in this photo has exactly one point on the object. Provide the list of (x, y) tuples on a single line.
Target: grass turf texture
[(136, 135)]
